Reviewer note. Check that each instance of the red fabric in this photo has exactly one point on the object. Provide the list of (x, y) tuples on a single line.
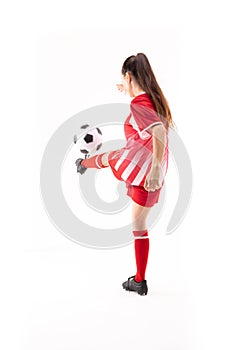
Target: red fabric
[(112, 160), (142, 196), (93, 162), (133, 162), (143, 112), (141, 247)]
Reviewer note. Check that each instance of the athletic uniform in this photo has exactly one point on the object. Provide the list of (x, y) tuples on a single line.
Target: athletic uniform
[(133, 162)]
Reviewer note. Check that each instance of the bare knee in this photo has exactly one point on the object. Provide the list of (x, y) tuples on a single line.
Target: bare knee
[(139, 216), (139, 225)]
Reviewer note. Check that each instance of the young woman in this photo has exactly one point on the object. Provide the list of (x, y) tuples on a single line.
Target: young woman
[(143, 162)]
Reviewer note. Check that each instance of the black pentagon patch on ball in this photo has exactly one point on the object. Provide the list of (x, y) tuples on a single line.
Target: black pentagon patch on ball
[(99, 131), (98, 147), (88, 138)]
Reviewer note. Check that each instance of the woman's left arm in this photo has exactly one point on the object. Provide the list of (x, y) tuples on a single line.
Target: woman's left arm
[(159, 143)]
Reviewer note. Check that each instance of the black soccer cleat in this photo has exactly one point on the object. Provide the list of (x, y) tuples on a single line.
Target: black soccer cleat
[(80, 168), (134, 286)]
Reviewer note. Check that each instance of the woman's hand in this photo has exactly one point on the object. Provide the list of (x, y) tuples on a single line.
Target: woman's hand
[(121, 88), (152, 182)]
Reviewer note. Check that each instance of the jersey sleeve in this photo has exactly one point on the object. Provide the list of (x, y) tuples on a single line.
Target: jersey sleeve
[(144, 116)]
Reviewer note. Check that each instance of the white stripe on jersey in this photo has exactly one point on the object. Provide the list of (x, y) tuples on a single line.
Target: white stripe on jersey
[(121, 160), (141, 173), (132, 164), (143, 134)]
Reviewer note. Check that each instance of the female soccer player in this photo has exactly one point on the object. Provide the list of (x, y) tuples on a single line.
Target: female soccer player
[(143, 162)]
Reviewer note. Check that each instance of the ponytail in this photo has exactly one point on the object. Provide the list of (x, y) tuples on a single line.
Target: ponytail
[(141, 70)]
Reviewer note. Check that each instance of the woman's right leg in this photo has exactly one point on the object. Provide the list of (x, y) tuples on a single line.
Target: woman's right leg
[(139, 215), (141, 239)]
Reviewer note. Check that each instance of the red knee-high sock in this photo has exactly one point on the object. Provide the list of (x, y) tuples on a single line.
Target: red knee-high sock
[(94, 162), (141, 246)]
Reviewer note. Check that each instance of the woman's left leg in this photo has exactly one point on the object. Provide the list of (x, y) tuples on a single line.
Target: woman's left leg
[(104, 158), (98, 161)]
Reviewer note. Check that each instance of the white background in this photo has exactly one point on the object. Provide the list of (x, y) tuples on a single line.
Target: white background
[(59, 58)]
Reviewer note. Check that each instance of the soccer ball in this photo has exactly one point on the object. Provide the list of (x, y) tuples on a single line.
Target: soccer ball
[(91, 141)]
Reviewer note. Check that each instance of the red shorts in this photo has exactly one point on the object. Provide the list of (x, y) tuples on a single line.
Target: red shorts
[(142, 196)]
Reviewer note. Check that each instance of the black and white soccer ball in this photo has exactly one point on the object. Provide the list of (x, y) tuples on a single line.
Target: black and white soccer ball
[(91, 141)]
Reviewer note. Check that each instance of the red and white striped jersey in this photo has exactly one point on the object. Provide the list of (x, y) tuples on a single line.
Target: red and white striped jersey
[(132, 163)]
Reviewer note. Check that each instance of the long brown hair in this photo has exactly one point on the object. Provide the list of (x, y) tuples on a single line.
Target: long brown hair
[(142, 72)]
